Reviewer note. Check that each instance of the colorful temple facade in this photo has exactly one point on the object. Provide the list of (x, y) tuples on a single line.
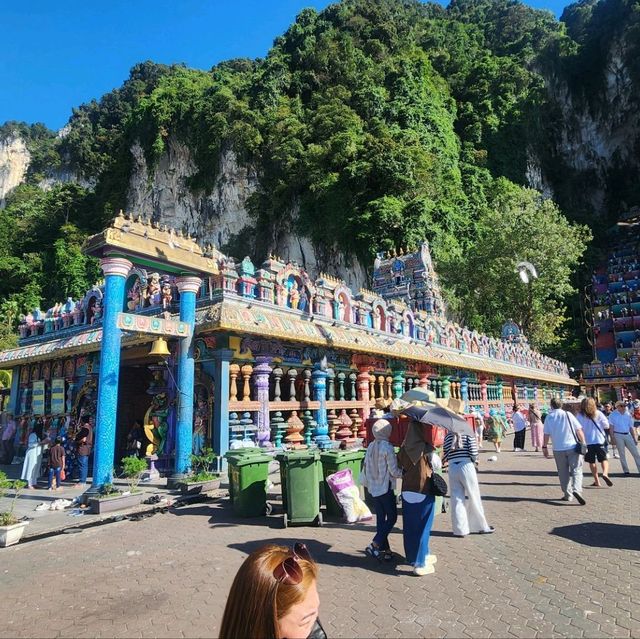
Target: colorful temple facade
[(613, 324), (263, 353)]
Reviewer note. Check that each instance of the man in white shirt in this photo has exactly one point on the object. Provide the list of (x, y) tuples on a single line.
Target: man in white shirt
[(564, 430), (621, 423), (520, 424)]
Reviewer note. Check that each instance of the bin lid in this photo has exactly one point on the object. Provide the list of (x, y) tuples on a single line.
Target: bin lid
[(241, 452), (247, 460), (337, 456), (295, 455)]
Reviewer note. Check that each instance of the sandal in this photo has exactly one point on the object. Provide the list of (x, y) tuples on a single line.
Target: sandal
[(607, 481), (372, 551)]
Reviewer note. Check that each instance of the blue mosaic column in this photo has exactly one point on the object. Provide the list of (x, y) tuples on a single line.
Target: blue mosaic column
[(115, 271), (188, 287), (222, 359), (319, 390)]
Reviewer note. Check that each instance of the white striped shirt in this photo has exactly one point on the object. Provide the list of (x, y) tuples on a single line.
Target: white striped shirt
[(467, 450)]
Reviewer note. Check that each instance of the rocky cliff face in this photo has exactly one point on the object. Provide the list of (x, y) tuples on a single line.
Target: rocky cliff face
[(222, 215), (598, 137), (14, 163)]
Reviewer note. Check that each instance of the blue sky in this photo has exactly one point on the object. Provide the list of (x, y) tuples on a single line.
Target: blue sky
[(57, 55)]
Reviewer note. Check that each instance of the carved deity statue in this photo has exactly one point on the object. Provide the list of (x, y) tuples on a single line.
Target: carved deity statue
[(199, 426), (294, 296), (155, 424), (152, 293), (166, 296), (134, 296)]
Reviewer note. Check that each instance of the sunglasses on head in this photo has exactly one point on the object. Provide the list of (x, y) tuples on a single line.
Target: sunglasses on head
[(289, 571)]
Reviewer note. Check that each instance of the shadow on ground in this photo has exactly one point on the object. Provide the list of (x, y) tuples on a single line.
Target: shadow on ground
[(601, 535)]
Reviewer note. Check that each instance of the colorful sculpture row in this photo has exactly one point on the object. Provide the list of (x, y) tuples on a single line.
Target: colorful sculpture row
[(288, 286)]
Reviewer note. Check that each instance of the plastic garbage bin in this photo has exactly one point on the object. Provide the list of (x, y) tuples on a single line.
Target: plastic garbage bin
[(300, 476), (248, 475), (332, 462), (238, 453)]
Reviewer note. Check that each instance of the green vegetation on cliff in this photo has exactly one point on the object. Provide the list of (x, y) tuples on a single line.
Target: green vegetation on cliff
[(370, 125)]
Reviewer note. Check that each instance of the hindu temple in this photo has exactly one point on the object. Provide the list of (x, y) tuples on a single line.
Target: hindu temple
[(264, 352)]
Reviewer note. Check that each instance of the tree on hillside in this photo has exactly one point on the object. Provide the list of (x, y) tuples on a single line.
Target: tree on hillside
[(519, 224)]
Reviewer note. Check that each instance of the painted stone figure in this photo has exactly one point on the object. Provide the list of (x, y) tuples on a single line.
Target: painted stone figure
[(155, 426), (153, 292), (199, 426), (294, 296), (166, 295), (134, 296)]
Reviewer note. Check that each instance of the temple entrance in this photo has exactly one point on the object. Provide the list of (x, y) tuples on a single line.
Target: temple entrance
[(142, 388)]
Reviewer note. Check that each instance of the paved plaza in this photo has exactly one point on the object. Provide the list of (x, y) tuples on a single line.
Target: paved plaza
[(551, 569)]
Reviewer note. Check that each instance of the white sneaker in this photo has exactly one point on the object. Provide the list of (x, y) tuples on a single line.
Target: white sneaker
[(424, 570), (431, 559), (616, 456)]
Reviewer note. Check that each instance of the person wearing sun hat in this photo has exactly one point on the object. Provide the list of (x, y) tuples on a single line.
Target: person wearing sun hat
[(380, 469)]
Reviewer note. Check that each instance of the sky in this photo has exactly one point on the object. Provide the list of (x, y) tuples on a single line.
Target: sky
[(57, 55)]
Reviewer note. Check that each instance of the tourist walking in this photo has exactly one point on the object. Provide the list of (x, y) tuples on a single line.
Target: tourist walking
[(8, 437), (495, 429), (84, 442), (418, 461), (606, 411), (274, 594), (621, 422), (56, 463), (537, 428), (596, 434), (33, 457), (467, 513), (565, 432), (380, 469), (519, 427)]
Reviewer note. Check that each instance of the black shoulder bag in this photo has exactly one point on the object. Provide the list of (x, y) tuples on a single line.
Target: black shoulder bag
[(578, 448), (437, 485)]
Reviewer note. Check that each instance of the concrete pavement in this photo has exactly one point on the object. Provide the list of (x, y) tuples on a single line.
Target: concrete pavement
[(551, 569)]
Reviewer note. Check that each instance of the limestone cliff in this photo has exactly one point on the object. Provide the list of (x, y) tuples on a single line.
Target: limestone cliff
[(221, 216), (14, 163)]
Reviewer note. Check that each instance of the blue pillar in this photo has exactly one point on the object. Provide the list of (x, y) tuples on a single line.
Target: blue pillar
[(14, 398), (188, 287), (115, 270), (222, 358), (319, 390)]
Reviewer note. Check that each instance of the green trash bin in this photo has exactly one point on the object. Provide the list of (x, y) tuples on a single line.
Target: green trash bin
[(300, 475), (248, 475), (332, 462), (232, 455)]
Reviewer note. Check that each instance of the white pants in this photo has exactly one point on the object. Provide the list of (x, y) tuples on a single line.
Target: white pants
[(627, 441), (467, 515)]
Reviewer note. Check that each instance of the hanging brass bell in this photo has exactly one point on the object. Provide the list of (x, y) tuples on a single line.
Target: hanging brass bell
[(159, 348)]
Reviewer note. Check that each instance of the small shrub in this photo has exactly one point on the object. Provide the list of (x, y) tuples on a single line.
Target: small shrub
[(201, 466), (132, 469), (7, 517)]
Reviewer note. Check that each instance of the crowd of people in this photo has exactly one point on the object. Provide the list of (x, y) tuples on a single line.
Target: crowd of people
[(59, 454), (286, 578)]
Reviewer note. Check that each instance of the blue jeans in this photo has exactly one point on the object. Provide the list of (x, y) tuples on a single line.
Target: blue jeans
[(386, 517), (57, 472), (417, 520), (83, 467)]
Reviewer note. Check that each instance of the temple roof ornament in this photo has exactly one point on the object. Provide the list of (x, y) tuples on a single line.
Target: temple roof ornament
[(152, 246)]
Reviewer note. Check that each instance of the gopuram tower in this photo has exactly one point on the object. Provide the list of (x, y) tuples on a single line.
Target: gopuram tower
[(410, 277)]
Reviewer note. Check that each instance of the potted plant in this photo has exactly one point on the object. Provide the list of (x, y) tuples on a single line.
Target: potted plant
[(11, 528), (110, 499), (202, 478)]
